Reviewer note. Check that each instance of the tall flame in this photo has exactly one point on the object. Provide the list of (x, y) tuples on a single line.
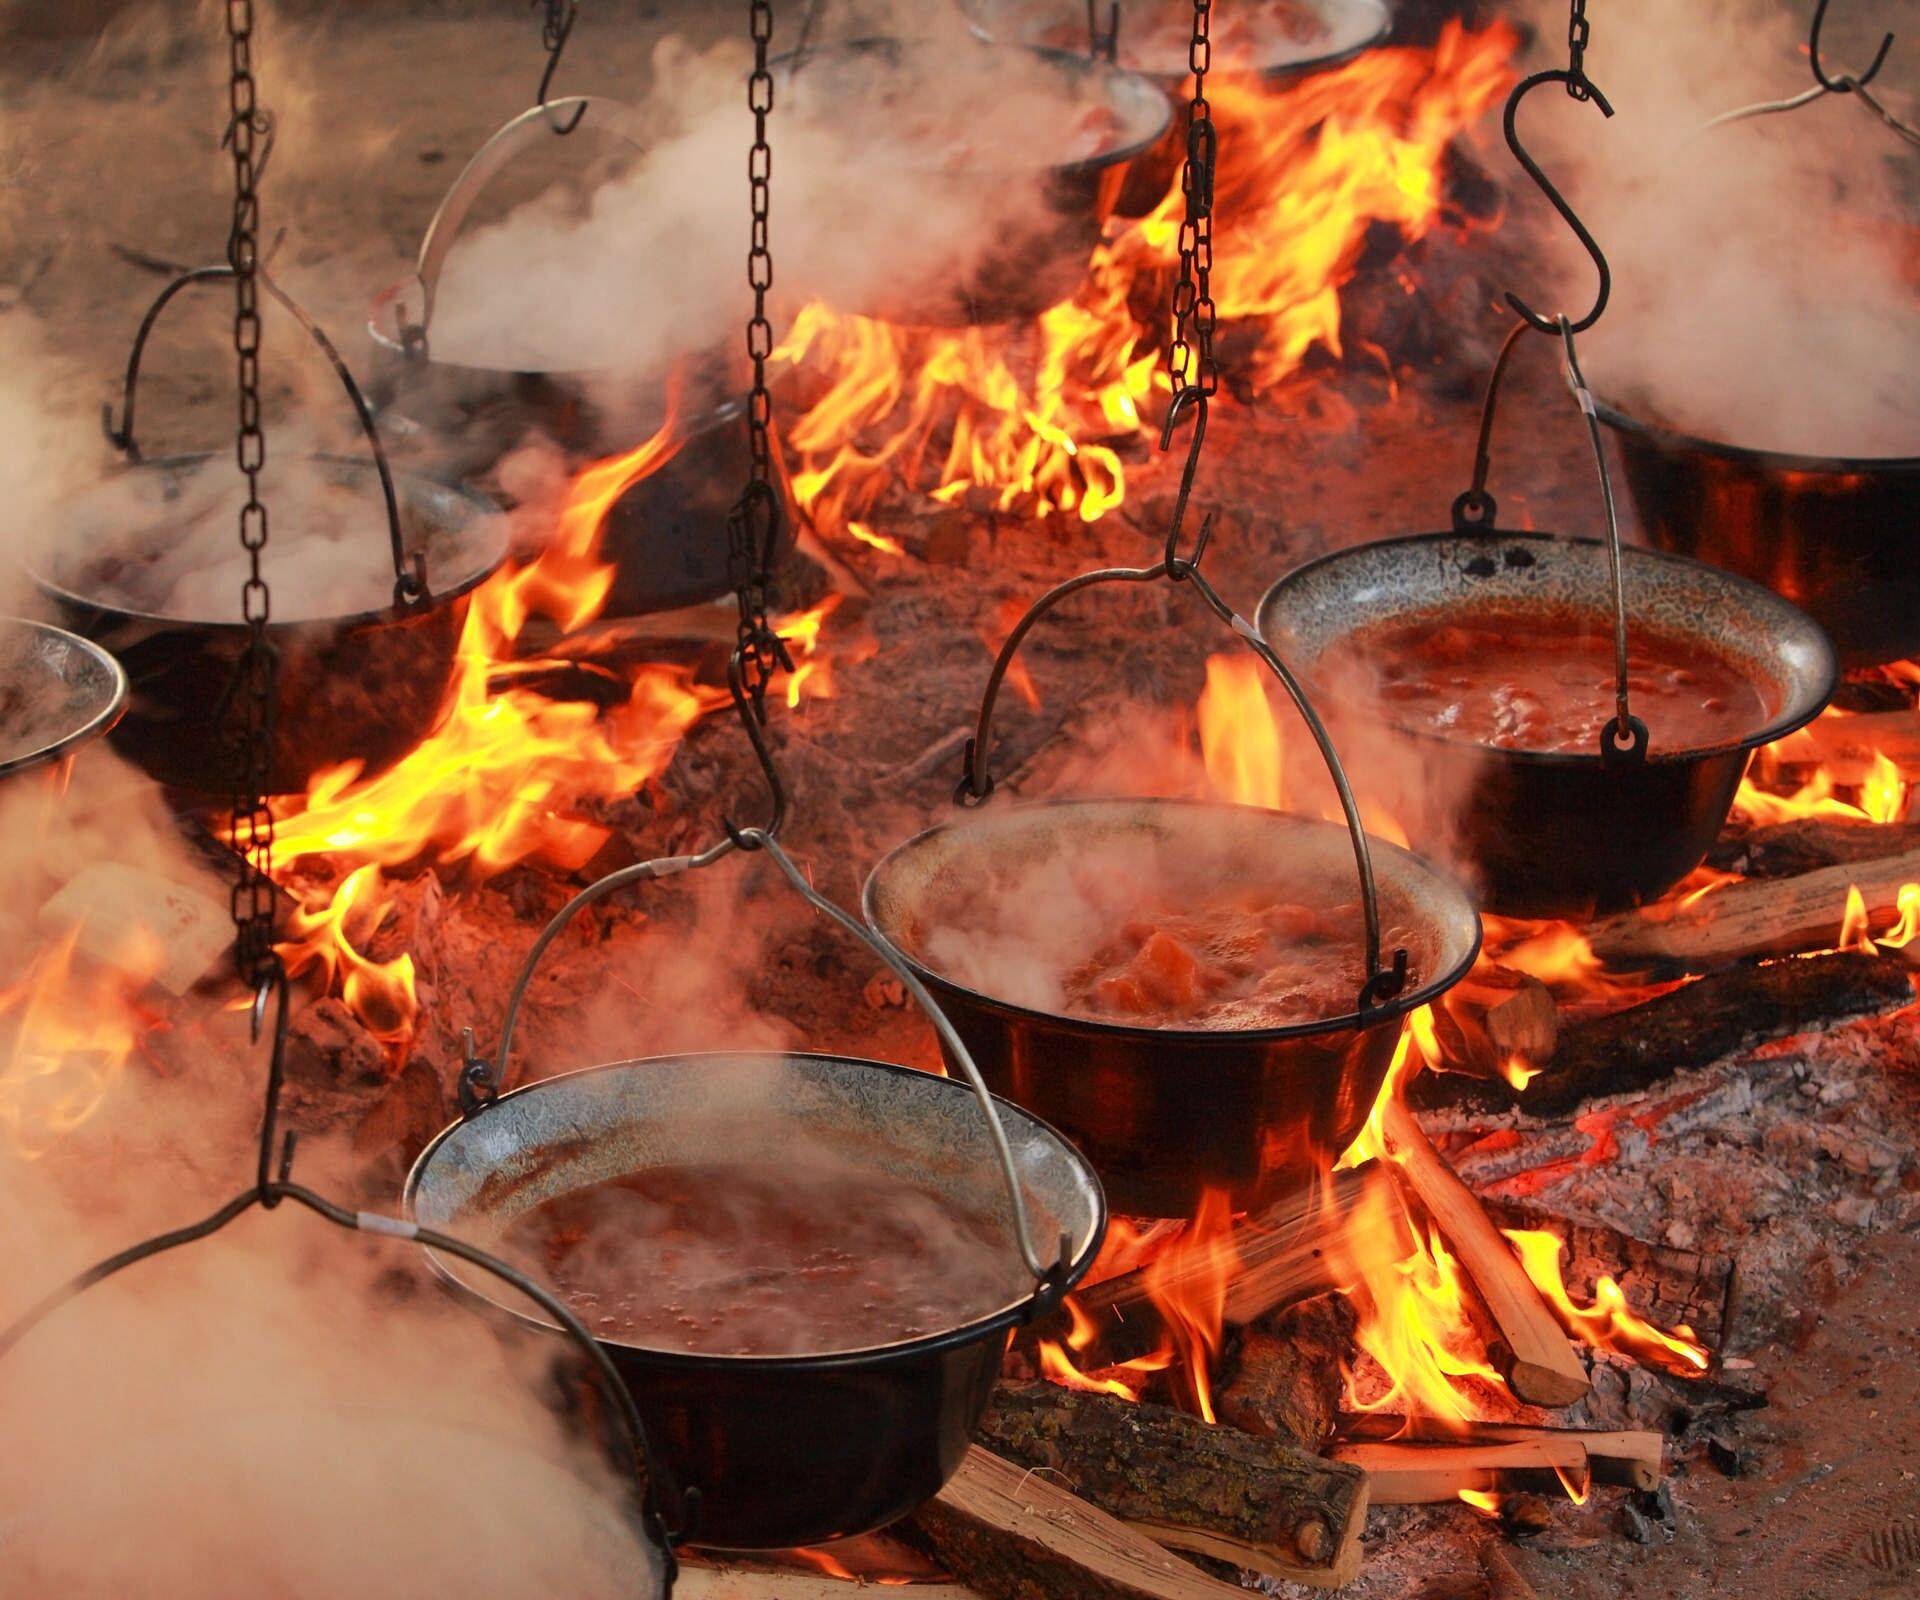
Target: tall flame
[(1607, 1324)]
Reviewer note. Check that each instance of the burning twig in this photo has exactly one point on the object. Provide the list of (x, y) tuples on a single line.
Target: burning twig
[(1538, 1363)]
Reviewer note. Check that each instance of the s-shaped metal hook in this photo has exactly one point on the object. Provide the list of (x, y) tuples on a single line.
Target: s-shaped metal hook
[(1583, 87), (561, 16), (1178, 566), (1847, 82)]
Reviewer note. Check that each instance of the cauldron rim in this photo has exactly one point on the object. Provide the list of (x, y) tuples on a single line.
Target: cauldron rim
[(1796, 713), (99, 723), (1224, 1039), (1670, 438), (999, 1320), (1069, 59), (490, 555)]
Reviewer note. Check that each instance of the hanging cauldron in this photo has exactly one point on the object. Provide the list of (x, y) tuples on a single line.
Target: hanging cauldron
[(1563, 832), (769, 1451), (57, 693), (1034, 264), (365, 685), (1834, 535), (660, 535), (1268, 47)]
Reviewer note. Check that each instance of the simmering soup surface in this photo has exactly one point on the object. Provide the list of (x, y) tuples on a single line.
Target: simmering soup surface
[(1534, 680), (737, 1258)]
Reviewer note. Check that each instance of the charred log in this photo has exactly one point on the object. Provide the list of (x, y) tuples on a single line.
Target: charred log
[(1284, 1380), (1788, 849)]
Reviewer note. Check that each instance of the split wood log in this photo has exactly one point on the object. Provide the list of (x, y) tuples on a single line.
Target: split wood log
[(1781, 916), (1284, 1380), (1494, 1015), (1540, 1366), (1667, 1285), (1788, 849), (1014, 1534), (1264, 1505), (1846, 746), (1503, 1577), (1429, 1474), (1627, 1458), (1286, 1254), (1717, 1015), (141, 923)]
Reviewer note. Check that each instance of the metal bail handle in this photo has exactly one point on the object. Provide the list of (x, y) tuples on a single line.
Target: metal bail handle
[(550, 119), (1050, 1276), (1623, 741), (1475, 510), (976, 783), (409, 575)]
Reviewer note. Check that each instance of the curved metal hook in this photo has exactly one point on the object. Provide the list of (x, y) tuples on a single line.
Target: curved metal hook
[(1177, 565), (1847, 82), (557, 31), (1545, 185)]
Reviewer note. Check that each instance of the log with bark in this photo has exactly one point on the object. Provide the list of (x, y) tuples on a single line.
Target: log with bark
[(1010, 1533), (1264, 1505), (1771, 917), (1532, 1353), (1717, 1015), (1283, 1379), (1788, 849)]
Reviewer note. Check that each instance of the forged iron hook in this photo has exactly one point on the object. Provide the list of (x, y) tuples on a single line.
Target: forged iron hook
[(1545, 184), (1179, 566), (559, 28), (1847, 82)]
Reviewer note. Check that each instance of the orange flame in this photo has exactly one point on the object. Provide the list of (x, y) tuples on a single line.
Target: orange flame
[(68, 1029), (1607, 1324), (380, 993), (1187, 1283), (1239, 734), (1028, 412)]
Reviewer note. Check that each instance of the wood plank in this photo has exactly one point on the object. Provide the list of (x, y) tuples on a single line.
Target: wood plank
[(1787, 849), (1264, 1504), (1538, 1363), (1626, 1458), (1423, 1474), (1781, 916), (1013, 1534)]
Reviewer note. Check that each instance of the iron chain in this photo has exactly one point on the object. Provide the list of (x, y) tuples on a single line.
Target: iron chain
[(753, 526), (1190, 360), (251, 899), (1579, 32)]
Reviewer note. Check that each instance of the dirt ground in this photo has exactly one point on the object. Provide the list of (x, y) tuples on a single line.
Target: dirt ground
[(108, 148)]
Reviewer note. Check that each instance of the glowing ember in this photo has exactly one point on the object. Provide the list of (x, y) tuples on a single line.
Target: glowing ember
[(1023, 418), (1607, 1324)]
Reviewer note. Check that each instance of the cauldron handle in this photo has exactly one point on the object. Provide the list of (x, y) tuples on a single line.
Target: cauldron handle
[(1051, 1277), (409, 577), (976, 783), (550, 119)]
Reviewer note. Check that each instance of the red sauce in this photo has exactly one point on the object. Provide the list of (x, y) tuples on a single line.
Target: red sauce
[(1529, 680), (805, 1257), (1247, 963)]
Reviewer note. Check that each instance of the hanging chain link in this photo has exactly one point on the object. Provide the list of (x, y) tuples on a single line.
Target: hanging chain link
[(753, 526), (1190, 352), (251, 900), (1579, 32)]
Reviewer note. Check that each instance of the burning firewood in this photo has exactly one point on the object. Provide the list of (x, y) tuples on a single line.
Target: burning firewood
[(1537, 1361), (1788, 849), (1757, 918), (1263, 1504), (1284, 1380), (1700, 1022), (1014, 1534), (1431, 1474), (1845, 746), (1622, 1459), (1497, 1015), (1285, 1254)]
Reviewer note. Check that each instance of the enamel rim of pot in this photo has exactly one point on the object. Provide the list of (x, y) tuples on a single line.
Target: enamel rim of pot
[(96, 663)]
